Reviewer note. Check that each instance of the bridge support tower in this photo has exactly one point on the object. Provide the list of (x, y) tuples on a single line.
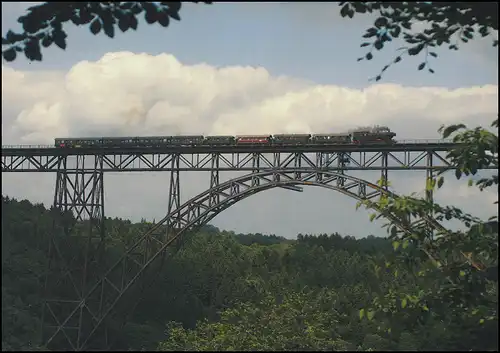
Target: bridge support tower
[(76, 253)]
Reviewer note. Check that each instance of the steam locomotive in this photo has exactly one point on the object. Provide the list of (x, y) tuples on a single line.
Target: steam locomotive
[(378, 135)]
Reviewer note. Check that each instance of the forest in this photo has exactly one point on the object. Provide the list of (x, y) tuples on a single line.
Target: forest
[(227, 291)]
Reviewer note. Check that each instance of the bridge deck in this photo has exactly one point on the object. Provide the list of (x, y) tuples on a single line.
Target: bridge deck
[(423, 145)]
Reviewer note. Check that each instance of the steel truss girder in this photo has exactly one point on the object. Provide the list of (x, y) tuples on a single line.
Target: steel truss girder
[(238, 161), (76, 248), (199, 210)]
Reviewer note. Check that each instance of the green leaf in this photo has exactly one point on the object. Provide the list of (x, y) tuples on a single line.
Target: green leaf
[(151, 15), (32, 50), (95, 26), (60, 39), (344, 10), (403, 303), (462, 273), (395, 245), (123, 24), (421, 66), (440, 182), (370, 315), (429, 184), (372, 217), (470, 182), (415, 50), (396, 31), (361, 314), (163, 19), (47, 41), (133, 22), (481, 321), (381, 22), (9, 55), (451, 129), (109, 29)]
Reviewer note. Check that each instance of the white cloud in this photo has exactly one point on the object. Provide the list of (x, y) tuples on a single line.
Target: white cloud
[(139, 94)]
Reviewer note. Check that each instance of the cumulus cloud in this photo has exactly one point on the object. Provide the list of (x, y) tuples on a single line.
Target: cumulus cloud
[(139, 94)]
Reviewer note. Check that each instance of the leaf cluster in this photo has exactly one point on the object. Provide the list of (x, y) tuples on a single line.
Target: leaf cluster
[(43, 24), (444, 21), (457, 278)]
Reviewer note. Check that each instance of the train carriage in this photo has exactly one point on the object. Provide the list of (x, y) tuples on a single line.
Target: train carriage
[(377, 135), (331, 139), (118, 141), (291, 139), (192, 140), (219, 140), (146, 141), (77, 142), (253, 140)]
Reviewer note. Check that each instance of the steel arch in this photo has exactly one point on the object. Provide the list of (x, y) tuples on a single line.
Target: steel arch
[(200, 209)]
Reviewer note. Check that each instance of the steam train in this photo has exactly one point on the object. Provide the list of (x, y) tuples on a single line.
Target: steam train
[(378, 135)]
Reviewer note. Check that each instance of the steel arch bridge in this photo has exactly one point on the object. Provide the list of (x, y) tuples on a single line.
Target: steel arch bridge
[(80, 319)]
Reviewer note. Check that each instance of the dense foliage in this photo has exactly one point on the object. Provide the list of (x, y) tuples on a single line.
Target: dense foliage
[(224, 291)]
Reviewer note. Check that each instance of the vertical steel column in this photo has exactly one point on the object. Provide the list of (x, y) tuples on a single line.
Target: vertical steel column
[(341, 160), (277, 165), (255, 168), (429, 189), (384, 173), (214, 180), (429, 192), (320, 165), (298, 164), (174, 198), (75, 253)]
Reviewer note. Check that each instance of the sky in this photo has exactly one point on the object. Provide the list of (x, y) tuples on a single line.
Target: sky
[(242, 68)]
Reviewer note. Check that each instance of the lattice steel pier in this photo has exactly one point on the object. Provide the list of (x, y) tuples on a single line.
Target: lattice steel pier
[(77, 319)]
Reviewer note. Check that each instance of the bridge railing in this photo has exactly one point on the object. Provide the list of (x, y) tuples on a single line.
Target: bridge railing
[(435, 141), (413, 141), (27, 146)]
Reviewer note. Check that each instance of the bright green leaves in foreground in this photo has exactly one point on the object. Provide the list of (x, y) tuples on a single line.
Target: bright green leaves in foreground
[(451, 276), (299, 321)]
